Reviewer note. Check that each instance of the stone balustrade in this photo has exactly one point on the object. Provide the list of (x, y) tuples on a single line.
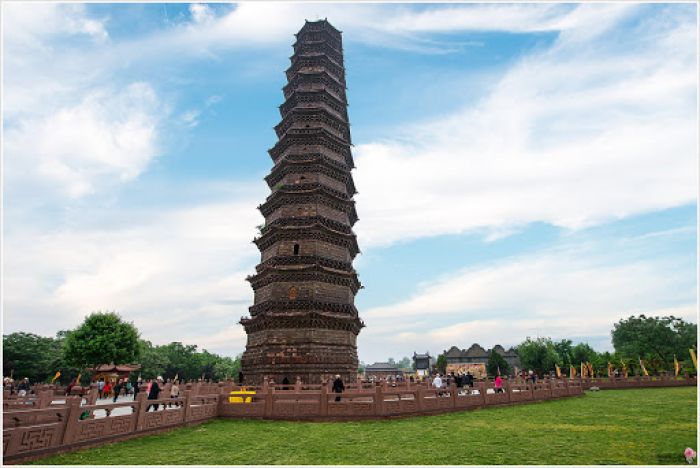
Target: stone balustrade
[(47, 423)]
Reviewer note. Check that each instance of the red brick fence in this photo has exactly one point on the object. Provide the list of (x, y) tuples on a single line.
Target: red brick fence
[(47, 423)]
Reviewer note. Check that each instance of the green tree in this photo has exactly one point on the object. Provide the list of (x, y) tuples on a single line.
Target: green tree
[(226, 367), (564, 350), (404, 363), (538, 355), (153, 362), (441, 363), (103, 338), (582, 352), (654, 339), (28, 355), (495, 363)]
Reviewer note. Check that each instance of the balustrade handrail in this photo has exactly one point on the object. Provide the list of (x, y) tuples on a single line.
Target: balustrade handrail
[(59, 427)]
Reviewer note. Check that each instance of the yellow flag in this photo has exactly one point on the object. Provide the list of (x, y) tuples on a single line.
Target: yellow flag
[(77, 379), (175, 378), (572, 371), (610, 370), (624, 369), (58, 374), (583, 371), (694, 358), (558, 370), (590, 369), (644, 369), (676, 365)]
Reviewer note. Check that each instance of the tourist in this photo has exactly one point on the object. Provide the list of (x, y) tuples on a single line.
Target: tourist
[(128, 387), (117, 390), (137, 388), (174, 392), (107, 389), (498, 384), (100, 388), (532, 376), (153, 392), (470, 379), (70, 386), (23, 387), (437, 381), (338, 387)]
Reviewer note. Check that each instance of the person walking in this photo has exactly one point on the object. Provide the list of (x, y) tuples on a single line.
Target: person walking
[(338, 387), (117, 390), (100, 388), (23, 388), (137, 388), (437, 383), (174, 392), (70, 386), (107, 389), (498, 384), (153, 392)]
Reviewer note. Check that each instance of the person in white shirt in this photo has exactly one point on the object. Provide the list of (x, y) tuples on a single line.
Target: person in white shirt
[(437, 381)]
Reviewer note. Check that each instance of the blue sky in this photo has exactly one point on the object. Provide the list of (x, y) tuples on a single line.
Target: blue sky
[(523, 169)]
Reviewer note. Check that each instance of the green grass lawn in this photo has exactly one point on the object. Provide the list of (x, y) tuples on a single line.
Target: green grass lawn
[(645, 426)]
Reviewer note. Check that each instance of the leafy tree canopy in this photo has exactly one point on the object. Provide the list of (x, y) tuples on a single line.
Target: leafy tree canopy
[(495, 363), (654, 339), (103, 338), (582, 352), (564, 350), (185, 362), (538, 355), (441, 363), (36, 357)]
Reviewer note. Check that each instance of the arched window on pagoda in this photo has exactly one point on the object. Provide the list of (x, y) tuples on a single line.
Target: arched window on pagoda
[(293, 293), (296, 249)]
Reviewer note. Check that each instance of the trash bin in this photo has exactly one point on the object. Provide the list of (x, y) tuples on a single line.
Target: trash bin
[(241, 396)]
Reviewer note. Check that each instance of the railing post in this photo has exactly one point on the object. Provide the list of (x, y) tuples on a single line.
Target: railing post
[(482, 392), (44, 398), (141, 409), (70, 427), (453, 394), (324, 399), (508, 389), (92, 395), (297, 385), (268, 399), (378, 400), (418, 395)]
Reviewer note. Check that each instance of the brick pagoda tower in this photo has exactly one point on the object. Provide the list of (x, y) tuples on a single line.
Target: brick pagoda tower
[(303, 322)]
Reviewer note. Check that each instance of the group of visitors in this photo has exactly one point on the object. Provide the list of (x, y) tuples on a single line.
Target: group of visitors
[(463, 380), (106, 389), (153, 389), (22, 389)]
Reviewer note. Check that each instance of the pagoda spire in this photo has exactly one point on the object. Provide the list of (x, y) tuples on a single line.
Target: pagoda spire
[(303, 322)]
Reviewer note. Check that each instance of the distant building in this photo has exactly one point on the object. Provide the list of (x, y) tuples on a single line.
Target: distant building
[(382, 370), (423, 363), (476, 355), (113, 372)]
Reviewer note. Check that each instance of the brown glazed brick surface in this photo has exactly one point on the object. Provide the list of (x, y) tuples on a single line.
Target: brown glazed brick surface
[(303, 323)]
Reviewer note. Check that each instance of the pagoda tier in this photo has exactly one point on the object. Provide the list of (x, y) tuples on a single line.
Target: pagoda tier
[(299, 99), (303, 322), (294, 171)]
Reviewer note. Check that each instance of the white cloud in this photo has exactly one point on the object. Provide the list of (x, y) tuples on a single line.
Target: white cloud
[(107, 137), (572, 291), (179, 275), (573, 136)]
